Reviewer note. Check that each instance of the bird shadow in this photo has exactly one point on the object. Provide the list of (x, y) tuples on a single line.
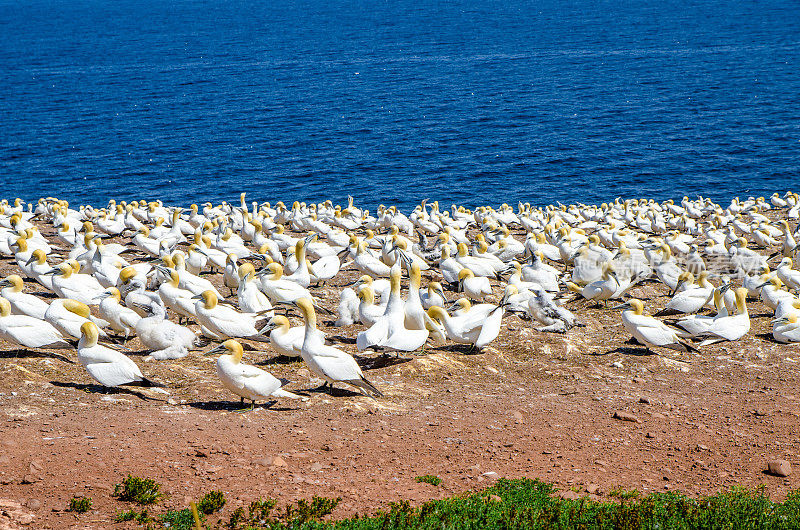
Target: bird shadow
[(31, 354), (99, 389), (465, 349), (380, 361), (332, 391), (342, 339), (638, 352), (279, 359), (235, 406)]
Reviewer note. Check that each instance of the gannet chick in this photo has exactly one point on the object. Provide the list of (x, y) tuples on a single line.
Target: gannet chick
[(648, 330), (106, 366), (329, 363), (347, 311), (553, 317), (21, 303), (244, 380), (164, 339)]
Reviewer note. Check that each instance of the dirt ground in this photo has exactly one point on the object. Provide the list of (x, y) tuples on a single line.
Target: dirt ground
[(531, 405)]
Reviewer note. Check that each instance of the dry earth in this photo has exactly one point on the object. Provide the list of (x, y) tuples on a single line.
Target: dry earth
[(531, 405)]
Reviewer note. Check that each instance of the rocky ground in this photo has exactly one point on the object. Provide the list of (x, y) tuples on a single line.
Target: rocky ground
[(586, 410)]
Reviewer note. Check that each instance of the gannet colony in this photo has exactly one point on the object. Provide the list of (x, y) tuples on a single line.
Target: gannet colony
[(207, 279)]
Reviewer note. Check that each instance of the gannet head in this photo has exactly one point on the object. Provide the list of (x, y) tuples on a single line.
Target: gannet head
[(77, 308), (13, 281)]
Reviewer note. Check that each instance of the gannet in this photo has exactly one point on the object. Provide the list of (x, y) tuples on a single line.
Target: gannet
[(244, 380), (21, 303), (106, 366), (329, 363), (648, 330)]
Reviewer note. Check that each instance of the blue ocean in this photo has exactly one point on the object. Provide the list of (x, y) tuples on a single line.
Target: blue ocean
[(468, 102)]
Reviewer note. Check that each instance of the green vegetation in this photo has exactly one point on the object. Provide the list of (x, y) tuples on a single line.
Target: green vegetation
[(306, 511), (623, 494), (211, 502), (142, 491), (177, 519), (132, 515), (524, 504), (80, 504), (429, 479), (257, 514)]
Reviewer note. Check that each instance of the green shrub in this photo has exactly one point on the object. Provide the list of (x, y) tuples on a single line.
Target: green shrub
[(139, 490), (429, 479), (132, 515), (80, 504), (211, 502)]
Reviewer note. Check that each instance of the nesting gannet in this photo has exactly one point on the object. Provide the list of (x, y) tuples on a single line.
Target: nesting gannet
[(106, 366), (224, 321), (81, 287), (28, 331), (286, 340), (329, 363), (648, 330), (164, 339), (731, 327), (21, 303), (244, 380), (122, 319), (475, 287), (786, 329), (67, 316), (251, 299)]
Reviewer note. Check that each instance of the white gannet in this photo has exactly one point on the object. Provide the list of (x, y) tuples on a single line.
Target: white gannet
[(28, 331), (67, 316), (786, 329), (691, 300), (122, 319), (224, 321), (329, 363), (244, 380), (648, 330), (251, 299), (81, 287), (106, 366), (731, 327), (286, 340), (21, 303), (389, 330)]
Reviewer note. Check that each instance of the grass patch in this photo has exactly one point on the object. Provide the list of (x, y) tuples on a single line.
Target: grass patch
[(178, 519), (429, 479), (132, 515), (80, 504), (142, 491), (525, 504), (624, 494), (211, 502)]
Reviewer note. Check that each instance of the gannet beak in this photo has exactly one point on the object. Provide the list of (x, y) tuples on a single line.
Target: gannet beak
[(30, 260), (626, 305), (53, 271), (215, 350)]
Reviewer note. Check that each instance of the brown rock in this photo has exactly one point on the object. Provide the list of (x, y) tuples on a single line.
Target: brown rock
[(493, 498), (779, 468), (34, 504), (569, 495), (592, 489), (29, 478), (277, 462), (626, 416), (316, 466), (645, 400)]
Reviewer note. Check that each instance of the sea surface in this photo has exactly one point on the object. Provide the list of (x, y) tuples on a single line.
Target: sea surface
[(468, 102)]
